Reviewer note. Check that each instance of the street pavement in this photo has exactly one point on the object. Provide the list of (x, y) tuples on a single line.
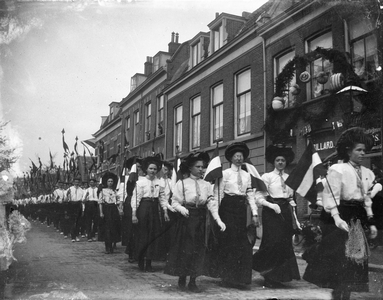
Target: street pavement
[(51, 267)]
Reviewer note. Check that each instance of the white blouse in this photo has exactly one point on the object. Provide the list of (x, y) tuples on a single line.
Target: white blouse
[(108, 196), (192, 190), (344, 184), (275, 186), (146, 188), (228, 184)]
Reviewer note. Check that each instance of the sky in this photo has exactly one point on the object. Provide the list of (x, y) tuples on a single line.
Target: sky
[(63, 63)]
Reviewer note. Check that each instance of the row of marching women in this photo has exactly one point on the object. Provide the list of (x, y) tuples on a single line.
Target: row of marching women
[(202, 228)]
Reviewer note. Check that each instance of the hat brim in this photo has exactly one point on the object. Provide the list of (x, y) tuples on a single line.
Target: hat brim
[(237, 147), (273, 151)]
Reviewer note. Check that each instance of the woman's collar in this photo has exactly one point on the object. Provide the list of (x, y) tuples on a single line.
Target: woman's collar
[(235, 168)]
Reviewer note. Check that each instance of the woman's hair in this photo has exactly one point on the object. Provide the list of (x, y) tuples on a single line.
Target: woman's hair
[(349, 139)]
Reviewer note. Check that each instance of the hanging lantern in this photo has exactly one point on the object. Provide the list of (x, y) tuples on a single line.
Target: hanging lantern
[(336, 81), (322, 77), (278, 103), (305, 76), (295, 89)]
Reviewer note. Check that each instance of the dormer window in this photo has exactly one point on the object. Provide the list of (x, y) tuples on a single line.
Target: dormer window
[(196, 53), (223, 29), (198, 48), (133, 83), (218, 37)]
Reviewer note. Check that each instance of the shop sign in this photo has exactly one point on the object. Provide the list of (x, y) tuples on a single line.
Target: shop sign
[(376, 134), (324, 146)]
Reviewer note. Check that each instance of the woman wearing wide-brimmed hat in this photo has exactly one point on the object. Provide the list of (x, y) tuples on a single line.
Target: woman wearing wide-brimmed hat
[(146, 202), (192, 196), (275, 259), (108, 202), (233, 193), (341, 260)]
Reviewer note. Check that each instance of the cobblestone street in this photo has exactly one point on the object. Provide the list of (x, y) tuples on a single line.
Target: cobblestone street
[(51, 267)]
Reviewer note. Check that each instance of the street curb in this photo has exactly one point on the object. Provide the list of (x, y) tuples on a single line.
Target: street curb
[(371, 267)]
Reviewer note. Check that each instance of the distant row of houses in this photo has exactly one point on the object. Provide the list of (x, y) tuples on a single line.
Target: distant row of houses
[(274, 75)]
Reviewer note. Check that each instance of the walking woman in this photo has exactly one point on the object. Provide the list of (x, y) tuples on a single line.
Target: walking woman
[(192, 197), (147, 197), (233, 193), (108, 202), (275, 259), (341, 262)]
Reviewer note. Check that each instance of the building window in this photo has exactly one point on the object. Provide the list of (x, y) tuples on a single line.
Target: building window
[(363, 49), (217, 105), (196, 53), (195, 122), (148, 120), (178, 128), (127, 131), (133, 83), (218, 37), (160, 115), (156, 63), (320, 65), (136, 128), (243, 96), (280, 63)]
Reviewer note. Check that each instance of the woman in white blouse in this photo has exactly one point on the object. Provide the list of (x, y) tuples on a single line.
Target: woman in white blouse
[(192, 197), (147, 200), (232, 194), (275, 259), (342, 257), (108, 202)]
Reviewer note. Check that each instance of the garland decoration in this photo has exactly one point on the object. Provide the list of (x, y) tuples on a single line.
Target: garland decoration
[(279, 123)]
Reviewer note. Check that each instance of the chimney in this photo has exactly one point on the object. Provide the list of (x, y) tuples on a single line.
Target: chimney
[(174, 44), (148, 66), (216, 15)]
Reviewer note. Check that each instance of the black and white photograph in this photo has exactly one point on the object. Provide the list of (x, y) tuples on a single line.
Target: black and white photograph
[(191, 149)]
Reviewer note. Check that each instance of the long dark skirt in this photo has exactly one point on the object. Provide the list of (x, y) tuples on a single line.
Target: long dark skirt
[(112, 224), (234, 249), (150, 237), (187, 254), (275, 258), (328, 265)]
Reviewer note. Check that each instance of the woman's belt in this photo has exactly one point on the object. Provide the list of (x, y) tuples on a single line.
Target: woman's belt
[(352, 202), (194, 205), (110, 203), (278, 200), (235, 196), (152, 199)]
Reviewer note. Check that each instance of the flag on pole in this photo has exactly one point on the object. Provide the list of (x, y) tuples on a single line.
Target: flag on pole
[(65, 145), (176, 171), (308, 176), (214, 169), (51, 160), (256, 180), (75, 147)]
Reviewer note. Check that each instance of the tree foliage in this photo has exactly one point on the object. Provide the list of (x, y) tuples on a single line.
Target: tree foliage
[(7, 153)]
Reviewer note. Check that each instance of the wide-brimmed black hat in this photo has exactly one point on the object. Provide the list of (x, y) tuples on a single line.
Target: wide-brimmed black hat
[(168, 164), (275, 150), (350, 137), (109, 175), (194, 156), (131, 160), (237, 147), (151, 160)]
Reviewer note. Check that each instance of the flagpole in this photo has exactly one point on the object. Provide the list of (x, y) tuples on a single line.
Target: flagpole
[(336, 204)]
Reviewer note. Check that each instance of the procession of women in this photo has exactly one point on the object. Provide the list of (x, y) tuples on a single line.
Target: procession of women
[(201, 228)]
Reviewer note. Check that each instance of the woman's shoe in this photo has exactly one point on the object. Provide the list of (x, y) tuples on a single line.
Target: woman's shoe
[(273, 284), (193, 287), (182, 282)]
